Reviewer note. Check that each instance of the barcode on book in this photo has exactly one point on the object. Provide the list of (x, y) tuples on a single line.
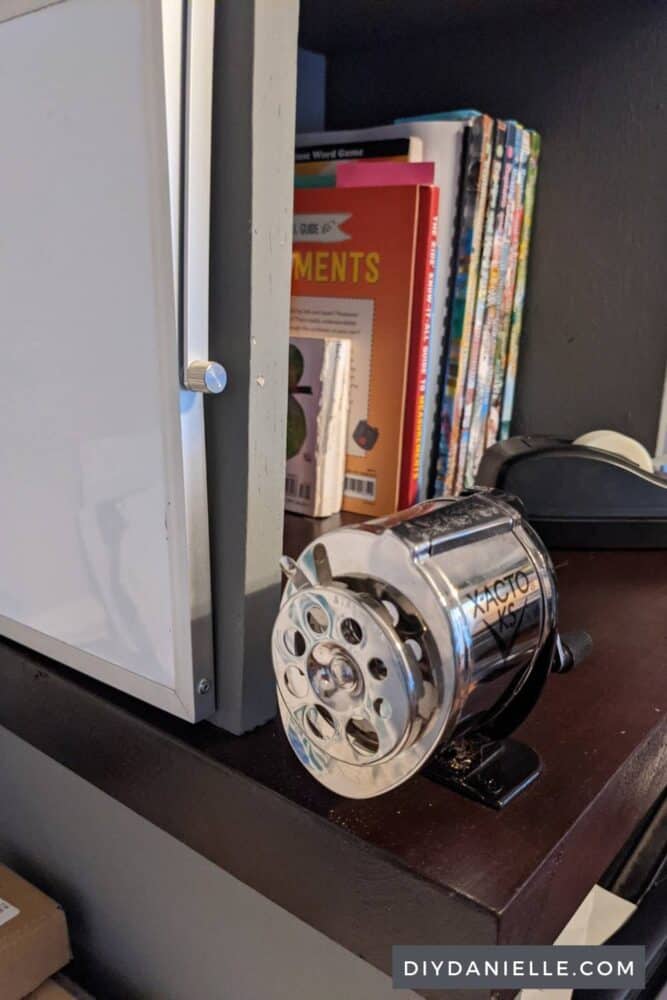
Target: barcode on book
[(295, 489), (361, 487)]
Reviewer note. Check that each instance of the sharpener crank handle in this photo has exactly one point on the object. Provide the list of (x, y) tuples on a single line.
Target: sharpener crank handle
[(572, 648)]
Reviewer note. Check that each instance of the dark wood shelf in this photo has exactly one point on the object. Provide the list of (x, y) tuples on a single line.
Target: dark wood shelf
[(419, 864)]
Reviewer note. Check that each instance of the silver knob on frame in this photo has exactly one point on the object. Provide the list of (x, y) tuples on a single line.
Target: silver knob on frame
[(205, 376)]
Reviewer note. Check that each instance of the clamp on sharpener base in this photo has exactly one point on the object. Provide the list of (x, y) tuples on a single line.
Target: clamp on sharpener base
[(492, 772)]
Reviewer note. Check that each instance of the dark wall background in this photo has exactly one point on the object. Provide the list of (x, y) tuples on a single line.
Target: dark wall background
[(592, 78), (310, 94)]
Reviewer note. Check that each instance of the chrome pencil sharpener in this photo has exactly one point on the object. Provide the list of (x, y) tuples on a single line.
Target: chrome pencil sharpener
[(420, 641)]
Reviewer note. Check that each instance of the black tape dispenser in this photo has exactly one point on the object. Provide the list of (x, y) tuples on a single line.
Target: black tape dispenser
[(578, 496)]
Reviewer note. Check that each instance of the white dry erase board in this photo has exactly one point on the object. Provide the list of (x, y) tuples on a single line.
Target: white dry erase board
[(104, 206)]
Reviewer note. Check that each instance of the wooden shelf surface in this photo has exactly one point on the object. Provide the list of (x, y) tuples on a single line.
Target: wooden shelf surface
[(420, 864)]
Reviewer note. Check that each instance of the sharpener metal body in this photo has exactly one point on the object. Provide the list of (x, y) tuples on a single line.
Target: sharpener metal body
[(397, 635)]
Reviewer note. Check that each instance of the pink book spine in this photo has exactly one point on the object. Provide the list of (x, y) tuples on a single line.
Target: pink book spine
[(379, 173)]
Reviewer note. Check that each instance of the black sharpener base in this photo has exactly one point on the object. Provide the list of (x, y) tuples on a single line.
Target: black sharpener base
[(492, 772)]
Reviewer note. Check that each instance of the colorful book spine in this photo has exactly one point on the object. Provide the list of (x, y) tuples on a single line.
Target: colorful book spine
[(509, 286), (520, 289), (462, 412), (430, 432), (467, 468), (475, 187), (422, 309)]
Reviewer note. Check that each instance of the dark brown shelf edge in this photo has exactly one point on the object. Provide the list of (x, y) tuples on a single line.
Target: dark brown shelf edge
[(215, 793), (585, 847), (140, 758)]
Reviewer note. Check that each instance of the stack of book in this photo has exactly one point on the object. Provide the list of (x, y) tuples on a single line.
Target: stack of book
[(410, 246)]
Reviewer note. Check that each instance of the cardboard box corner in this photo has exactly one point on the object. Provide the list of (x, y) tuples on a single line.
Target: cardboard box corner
[(34, 942)]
